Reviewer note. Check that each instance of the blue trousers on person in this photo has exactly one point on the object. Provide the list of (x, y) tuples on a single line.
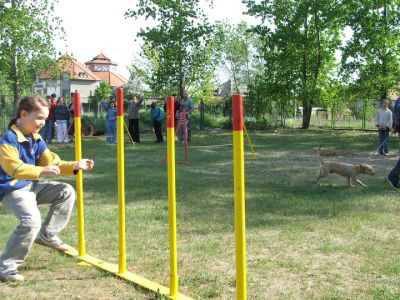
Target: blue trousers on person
[(111, 132), (383, 141), (48, 131), (394, 175)]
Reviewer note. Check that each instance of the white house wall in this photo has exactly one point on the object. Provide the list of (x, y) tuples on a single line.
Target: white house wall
[(84, 88)]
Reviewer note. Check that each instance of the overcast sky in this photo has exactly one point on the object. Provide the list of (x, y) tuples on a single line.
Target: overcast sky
[(94, 26)]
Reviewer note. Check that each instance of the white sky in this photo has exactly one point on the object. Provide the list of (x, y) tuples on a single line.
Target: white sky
[(94, 26)]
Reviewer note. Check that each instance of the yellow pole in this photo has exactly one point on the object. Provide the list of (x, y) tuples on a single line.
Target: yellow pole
[(239, 195), (173, 283), (121, 181), (79, 177), (248, 138)]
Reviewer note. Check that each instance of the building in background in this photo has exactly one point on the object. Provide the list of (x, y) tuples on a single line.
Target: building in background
[(71, 75), (106, 70)]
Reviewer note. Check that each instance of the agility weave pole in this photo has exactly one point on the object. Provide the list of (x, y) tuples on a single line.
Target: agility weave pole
[(239, 204), (239, 196), (120, 269)]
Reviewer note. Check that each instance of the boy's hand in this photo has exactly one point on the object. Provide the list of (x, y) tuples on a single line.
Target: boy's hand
[(50, 170), (84, 164)]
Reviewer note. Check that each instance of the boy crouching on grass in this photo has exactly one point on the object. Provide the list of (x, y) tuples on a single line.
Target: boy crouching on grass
[(24, 158)]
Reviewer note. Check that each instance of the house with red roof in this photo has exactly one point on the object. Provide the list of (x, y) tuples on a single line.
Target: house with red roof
[(105, 69), (72, 75)]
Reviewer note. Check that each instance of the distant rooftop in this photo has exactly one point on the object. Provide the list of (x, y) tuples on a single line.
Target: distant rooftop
[(101, 59)]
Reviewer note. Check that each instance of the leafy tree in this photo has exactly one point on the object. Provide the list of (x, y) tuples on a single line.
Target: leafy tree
[(27, 28), (300, 38), (178, 43), (235, 52), (370, 58), (101, 93)]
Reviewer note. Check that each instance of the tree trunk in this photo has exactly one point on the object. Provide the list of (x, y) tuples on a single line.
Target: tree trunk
[(384, 90), (181, 75), (15, 78), (307, 109)]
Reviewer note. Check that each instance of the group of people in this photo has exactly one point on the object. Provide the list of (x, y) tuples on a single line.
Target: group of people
[(60, 119), (182, 112)]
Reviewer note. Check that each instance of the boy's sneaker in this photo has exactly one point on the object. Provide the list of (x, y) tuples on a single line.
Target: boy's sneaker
[(14, 276), (53, 242), (395, 185)]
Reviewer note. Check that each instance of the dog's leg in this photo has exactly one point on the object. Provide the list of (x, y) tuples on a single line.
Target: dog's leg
[(359, 182), (349, 182), (323, 172)]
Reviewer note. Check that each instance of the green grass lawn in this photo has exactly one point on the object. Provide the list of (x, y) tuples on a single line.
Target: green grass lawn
[(303, 241)]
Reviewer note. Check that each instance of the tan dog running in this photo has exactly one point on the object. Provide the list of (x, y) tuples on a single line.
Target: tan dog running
[(346, 170)]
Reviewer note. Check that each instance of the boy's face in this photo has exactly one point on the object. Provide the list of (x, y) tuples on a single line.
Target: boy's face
[(33, 121)]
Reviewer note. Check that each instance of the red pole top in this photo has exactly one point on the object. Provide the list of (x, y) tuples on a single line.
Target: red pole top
[(77, 104), (170, 112), (237, 112), (120, 102)]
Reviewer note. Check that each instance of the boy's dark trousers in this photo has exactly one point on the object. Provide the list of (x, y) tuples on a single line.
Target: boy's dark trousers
[(157, 130), (395, 173), (383, 141), (134, 130)]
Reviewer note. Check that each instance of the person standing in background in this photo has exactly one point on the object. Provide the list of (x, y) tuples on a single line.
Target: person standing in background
[(111, 121), (157, 116), (186, 107), (396, 119), (383, 121), (133, 115), (49, 127), (61, 115)]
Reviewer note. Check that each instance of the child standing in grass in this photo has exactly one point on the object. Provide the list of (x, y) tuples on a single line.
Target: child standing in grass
[(24, 158), (157, 116), (383, 121), (61, 113), (111, 121)]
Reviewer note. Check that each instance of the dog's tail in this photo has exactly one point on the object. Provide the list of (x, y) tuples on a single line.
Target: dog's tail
[(319, 154)]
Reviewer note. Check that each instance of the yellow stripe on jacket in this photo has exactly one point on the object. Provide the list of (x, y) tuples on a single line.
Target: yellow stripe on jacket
[(15, 167)]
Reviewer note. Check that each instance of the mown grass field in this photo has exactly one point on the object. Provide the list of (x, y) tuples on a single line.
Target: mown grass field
[(303, 241)]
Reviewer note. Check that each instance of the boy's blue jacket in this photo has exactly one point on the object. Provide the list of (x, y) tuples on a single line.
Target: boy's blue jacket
[(21, 162), (157, 114)]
